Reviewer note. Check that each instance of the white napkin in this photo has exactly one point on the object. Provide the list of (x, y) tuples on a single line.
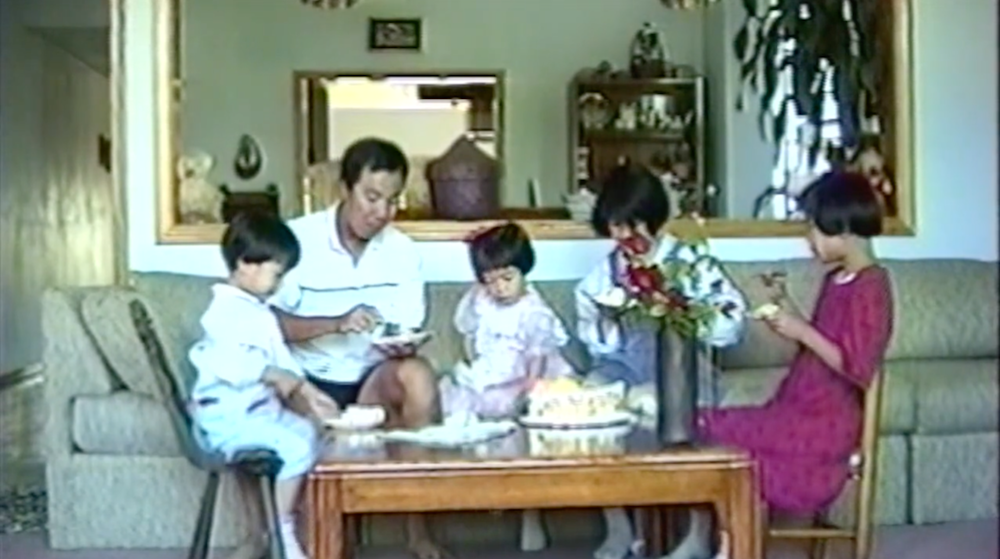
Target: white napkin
[(452, 435)]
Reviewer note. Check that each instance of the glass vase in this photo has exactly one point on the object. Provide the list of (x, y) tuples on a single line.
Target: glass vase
[(677, 380)]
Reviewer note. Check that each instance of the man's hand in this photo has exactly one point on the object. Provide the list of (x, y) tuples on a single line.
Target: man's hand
[(361, 318), (405, 349)]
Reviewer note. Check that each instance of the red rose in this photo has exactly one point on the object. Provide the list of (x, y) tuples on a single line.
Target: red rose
[(645, 279)]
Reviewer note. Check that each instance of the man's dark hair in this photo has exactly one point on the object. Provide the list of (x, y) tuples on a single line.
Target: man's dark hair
[(843, 203), (499, 247), (373, 155), (255, 237), (631, 195)]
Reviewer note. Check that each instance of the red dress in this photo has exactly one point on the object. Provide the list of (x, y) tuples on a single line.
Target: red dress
[(804, 436)]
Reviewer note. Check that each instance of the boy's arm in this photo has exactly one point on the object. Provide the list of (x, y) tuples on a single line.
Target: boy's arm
[(285, 382)]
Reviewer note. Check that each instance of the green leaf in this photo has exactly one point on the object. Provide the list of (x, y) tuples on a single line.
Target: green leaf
[(770, 85), (741, 42)]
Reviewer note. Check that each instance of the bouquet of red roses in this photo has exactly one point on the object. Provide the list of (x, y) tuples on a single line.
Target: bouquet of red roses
[(670, 290)]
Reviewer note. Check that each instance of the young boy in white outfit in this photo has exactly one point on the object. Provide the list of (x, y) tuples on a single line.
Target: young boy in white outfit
[(246, 373)]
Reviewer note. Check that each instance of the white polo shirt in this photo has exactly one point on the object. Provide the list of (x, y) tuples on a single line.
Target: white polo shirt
[(327, 282)]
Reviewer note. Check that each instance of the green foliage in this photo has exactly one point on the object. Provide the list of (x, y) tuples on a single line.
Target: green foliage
[(834, 39)]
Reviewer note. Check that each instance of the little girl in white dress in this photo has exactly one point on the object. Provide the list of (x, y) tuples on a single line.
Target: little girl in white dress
[(512, 338)]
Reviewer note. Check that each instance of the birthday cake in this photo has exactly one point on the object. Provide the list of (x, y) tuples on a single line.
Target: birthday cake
[(567, 400)]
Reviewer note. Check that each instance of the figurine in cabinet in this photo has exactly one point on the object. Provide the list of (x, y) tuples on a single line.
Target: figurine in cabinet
[(648, 56)]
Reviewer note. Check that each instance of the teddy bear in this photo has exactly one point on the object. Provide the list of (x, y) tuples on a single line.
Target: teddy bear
[(199, 201)]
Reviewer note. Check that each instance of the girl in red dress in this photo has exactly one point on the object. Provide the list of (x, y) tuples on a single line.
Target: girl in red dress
[(804, 436)]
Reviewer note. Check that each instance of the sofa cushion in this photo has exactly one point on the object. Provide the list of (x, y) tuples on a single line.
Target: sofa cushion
[(952, 396), (944, 309), (106, 316), (748, 387), (123, 423), (760, 347), (177, 301)]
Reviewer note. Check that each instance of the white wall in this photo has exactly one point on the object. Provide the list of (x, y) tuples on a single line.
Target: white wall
[(65, 13), (239, 55), (57, 205), (956, 166), (420, 133)]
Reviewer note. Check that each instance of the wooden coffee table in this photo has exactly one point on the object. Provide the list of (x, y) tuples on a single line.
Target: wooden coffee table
[(529, 470)]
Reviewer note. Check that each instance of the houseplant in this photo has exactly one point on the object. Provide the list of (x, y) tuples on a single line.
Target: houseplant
[(828, 47), (669, 294)]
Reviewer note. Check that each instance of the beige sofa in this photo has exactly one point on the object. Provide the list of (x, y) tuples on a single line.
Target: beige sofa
[(116, 478)]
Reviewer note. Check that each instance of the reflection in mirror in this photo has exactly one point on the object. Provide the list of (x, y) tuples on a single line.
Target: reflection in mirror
[(434, 119), (539, 119)]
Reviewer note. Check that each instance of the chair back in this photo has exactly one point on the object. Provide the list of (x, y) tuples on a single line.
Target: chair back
[(170, 386), (864, 470), (867, 470)]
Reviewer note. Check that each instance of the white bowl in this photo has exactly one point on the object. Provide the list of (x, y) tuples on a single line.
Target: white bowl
[(358, 418)]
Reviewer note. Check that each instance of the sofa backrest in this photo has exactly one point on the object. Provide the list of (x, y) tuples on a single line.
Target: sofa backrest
[(944, 309)]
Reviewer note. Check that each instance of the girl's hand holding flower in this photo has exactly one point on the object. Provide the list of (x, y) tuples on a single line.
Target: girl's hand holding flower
[(788, 325)]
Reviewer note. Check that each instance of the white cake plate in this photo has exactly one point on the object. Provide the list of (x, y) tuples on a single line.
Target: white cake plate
[(597, 422)]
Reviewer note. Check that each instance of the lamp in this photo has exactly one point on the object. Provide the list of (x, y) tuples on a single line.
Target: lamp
[(330, 4)]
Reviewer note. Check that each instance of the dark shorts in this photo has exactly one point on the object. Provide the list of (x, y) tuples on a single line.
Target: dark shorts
[(344, 393)]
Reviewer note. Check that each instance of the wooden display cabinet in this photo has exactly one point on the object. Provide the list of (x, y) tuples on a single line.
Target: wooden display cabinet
[(659, 123)]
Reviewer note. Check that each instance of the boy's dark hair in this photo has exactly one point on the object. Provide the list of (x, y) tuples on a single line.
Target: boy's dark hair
[(630, 195), (499, 247), (371, 154), (840, 203), (255, 237)]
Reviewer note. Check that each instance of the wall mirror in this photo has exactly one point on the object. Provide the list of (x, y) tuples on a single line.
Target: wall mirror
[(256, 102)]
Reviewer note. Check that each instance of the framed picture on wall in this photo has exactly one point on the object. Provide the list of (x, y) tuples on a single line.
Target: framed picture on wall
[(395, 34)]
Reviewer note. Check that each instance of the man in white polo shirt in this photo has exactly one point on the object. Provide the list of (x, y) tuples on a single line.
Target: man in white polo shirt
[(356, 271)]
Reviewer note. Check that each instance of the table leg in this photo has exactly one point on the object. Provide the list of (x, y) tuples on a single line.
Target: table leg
[(326, 537), (652, 523), (740, 517)]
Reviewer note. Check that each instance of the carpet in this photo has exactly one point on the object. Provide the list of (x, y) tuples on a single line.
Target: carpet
[(22, 510)]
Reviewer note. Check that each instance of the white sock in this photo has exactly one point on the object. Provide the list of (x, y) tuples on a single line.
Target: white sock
[(290, 541), (695, 544), (533, 536), (619, 537)]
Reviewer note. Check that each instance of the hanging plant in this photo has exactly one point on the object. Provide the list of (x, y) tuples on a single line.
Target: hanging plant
[(817, 41)]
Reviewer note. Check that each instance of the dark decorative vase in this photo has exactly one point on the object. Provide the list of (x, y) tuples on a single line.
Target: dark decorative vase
[(464, 183), (677, 367)]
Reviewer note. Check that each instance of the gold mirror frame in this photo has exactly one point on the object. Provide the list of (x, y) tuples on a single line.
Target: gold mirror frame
[(168, 88)]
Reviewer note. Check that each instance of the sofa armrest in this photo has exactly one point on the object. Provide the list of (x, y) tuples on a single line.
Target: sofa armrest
[(73, 366)]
